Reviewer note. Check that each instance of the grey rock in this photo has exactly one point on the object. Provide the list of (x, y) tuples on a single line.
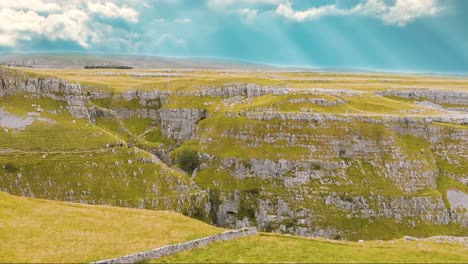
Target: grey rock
[(457, 199)]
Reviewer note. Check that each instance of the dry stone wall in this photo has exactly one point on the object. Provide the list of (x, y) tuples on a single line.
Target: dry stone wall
[(172, 249)]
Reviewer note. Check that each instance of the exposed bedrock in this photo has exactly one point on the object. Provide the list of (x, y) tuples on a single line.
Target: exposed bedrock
[(437, 96), (302, 194), (305, 173), (253, 90), (77, 97), (280, 215), (180, 124), (461, 119)]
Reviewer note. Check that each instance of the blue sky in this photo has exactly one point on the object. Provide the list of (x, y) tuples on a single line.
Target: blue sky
[(390, 35)]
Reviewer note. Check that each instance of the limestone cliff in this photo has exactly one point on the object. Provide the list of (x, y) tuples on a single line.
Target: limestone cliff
[(302, 161)]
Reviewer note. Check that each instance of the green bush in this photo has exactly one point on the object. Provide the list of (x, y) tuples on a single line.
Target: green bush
[(188, 160), (10, 168)]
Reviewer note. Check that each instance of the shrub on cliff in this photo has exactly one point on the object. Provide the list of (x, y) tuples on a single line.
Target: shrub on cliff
[(188, 160)]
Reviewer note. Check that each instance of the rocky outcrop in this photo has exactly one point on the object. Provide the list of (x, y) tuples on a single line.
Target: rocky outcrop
[(461, 119), (146, 98), (437, 96), (339, 153), (457, 199), (305, 173), (277, 214), (292, 173), (11, 121), (317, 101), (253, 90), (77, 97), (180, 124)]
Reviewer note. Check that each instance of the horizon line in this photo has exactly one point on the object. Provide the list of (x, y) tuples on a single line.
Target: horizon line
[(286, 67)]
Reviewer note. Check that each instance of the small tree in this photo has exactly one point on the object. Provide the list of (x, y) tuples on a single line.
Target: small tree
[(188, 160)]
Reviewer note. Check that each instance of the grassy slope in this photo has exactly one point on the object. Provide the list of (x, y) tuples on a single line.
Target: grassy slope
[(276, 248), (65, 136), (33, 230), (48, 160)]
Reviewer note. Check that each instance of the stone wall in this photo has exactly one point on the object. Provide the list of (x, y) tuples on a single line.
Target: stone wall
[(172, 249)]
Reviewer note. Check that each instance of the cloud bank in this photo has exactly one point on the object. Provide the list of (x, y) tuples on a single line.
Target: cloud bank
[(60, 20), (398, 13), (92, 23)]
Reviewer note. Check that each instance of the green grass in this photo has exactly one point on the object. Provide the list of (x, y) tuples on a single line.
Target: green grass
[(155, 135), (114, 126), (137, 126), (265, 248), (52, 160), (367, 179), (372, 229), (63, 133), (70, 155), (106, 176), (33, 230), (210, 178)]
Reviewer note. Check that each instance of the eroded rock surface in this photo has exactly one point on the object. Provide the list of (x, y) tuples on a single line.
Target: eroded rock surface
[(309, 172)]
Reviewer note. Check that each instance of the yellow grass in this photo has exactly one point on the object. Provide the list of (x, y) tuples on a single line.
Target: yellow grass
[(193, 79), (33, 230)]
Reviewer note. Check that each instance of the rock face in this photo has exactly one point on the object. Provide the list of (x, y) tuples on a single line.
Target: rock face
[(77, 99), (322, 171), (180, 124), (253, 90), (437, 96), (336, 163), (10, 121)]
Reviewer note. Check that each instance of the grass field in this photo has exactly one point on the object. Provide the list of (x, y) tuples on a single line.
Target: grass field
[(196, 79), (268, 248), (33, 230)]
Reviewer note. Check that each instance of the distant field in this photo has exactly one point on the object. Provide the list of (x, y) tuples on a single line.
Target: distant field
[(193, 79), (33, 230), (265, 248)]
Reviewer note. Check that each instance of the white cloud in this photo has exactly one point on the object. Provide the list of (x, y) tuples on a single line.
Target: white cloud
[(13, 25), (34, 5), (113, 11), (398, 13), (184, 20), (18, 24), (406, 11), (69, 25), (243, 3), (247, 14), (59, 20), (286, 10)]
